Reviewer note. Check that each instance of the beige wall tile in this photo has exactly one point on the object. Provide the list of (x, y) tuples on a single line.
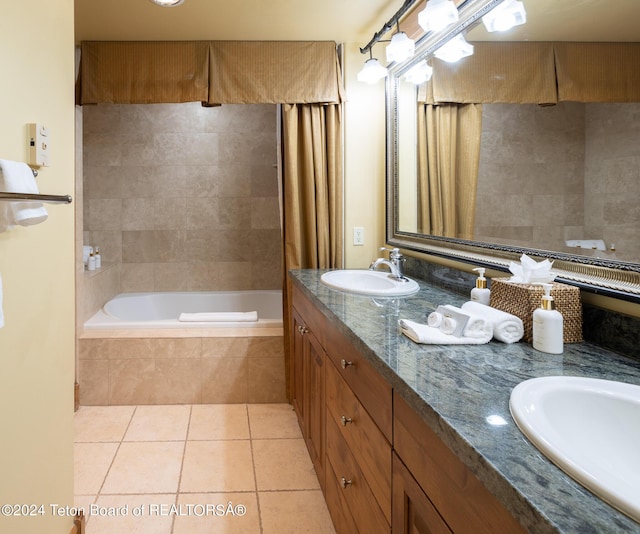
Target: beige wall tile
[(178, 381), (93, 377), (266, 380), (132, 381), (224, 380)]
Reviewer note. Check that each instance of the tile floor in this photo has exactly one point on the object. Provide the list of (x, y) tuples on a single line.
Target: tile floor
[(234, 468)]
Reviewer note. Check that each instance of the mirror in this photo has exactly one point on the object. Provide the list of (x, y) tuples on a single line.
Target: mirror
[(542, 186)]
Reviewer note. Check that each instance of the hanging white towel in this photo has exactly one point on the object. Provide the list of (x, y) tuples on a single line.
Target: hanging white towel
[(17, 177), (422, 333), (219, 317), (507, 327)]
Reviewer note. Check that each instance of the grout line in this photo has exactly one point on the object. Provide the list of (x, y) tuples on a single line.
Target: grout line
[(255, 476), (184, 450)]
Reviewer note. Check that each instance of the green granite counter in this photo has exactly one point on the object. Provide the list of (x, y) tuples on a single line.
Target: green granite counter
[(462, 392)]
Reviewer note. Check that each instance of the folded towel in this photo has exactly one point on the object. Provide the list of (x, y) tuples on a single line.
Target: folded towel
[(507, 328), (422, 333), (17, 177), (220, 317)]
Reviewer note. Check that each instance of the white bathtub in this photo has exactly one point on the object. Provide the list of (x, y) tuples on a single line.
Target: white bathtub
[(161, 310)]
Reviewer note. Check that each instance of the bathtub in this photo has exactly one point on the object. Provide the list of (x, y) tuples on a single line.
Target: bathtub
[(162, 309), (136, 351)]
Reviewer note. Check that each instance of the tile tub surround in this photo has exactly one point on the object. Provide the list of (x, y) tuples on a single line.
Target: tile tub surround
[(181, 197), (180, 370), (455, 388)]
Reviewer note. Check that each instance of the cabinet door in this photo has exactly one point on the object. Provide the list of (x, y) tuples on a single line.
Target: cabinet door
[(298, 330), (412, 511), (314, 370)]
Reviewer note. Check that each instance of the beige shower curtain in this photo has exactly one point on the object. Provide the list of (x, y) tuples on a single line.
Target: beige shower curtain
[(448, 160), (312, 193)]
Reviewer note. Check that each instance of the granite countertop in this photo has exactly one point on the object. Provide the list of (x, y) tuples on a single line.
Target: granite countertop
[(455, 388)]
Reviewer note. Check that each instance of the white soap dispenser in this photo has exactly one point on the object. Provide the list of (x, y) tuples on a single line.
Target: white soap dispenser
[(98, 258), (548, 327), (481, 293)]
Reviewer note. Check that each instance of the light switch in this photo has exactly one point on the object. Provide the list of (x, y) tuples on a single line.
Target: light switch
[(38, 141)]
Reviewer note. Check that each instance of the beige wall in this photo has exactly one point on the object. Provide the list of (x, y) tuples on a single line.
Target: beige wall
[(182, 197), (364, 161), (36, 265)]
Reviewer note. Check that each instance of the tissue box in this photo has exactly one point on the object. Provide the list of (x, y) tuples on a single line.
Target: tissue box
[(522, 299)]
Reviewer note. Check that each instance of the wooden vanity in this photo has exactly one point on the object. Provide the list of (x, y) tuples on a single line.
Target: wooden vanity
[(379, 465)]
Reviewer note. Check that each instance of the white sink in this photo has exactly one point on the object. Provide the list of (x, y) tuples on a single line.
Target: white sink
[(366, 282), (588, 427)]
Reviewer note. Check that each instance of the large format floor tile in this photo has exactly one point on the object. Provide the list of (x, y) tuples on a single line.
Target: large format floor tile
[(177, 469)]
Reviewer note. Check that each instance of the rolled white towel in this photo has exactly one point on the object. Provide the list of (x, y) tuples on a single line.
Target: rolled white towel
[(422, 333), (434, 319), (507, 327), (219, 317), (476, 327)]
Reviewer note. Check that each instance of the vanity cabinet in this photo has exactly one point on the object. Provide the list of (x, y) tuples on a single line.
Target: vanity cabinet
[(350, 441), (463, 503), (381, 467), (308, 368)]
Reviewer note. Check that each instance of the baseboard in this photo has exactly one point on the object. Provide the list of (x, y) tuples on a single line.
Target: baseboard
[(76, 396), (78, 524)]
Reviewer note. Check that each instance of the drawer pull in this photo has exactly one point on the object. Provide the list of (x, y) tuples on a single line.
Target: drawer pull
[(344, 482), (345, 363), (346, 420), (302, 329)]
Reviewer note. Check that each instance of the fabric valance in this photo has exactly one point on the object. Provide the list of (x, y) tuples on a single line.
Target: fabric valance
[(538, 73), (138, 72), (598, 72), (212, 72)]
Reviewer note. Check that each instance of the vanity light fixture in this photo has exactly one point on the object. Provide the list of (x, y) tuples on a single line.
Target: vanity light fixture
[(372, 71), (419, 73), (505, 16), (168, 3), (437, 15), (454, 50), (401, 47)]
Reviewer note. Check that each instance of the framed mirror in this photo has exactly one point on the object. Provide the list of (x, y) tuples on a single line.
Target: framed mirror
[(557, 180)]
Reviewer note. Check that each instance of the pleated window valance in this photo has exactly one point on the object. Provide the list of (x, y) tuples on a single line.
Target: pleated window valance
[(212, 72), (538, 73)]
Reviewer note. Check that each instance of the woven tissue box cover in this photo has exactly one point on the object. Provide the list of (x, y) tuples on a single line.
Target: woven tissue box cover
[(522, 299)]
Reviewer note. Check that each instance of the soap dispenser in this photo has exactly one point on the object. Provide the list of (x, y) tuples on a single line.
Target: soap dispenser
[(548, 328), (481, 293)]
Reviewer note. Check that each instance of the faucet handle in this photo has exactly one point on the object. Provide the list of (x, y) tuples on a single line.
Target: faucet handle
[(393, 252)]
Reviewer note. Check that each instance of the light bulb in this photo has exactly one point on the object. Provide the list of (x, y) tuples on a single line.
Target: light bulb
[(454, 50), (400, 48), (437, 15), (505, 16), (372, 71), (419, 73)]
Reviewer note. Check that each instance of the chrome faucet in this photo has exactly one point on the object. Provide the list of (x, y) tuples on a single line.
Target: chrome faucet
[(394, 263)]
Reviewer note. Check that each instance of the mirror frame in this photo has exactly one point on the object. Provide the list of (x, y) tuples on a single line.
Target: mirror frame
[(618, 279)]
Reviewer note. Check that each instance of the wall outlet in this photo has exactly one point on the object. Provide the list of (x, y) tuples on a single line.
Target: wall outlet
[(358, 235)]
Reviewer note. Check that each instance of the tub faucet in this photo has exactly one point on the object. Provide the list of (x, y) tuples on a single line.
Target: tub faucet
[(394, 263)]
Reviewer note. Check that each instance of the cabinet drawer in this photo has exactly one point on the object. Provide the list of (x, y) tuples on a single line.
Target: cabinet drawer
[(373, 391), (356, 497), (461, 499), (362, 436)]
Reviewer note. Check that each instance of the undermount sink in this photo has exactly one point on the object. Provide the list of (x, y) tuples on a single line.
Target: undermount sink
[(588, 427), (367, 282)]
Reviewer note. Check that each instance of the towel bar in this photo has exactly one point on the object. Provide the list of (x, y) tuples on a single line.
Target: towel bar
[(55, 199)]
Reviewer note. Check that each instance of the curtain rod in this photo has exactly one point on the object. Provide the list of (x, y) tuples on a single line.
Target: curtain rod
[(388, 25)]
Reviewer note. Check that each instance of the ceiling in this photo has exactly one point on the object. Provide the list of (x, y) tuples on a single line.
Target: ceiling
[(335, 20), (297, 20)]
